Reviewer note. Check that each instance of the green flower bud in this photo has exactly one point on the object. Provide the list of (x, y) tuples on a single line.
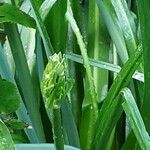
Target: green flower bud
[(55, 85)]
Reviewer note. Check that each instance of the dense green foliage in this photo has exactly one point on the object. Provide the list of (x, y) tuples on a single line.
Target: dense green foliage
[(101, 103)]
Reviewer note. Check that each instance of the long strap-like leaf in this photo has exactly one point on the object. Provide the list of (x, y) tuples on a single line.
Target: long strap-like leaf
[(135, 119), (144, 16), (104, 123)]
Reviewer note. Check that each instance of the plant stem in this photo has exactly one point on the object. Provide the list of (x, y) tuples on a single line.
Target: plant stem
[(89, 106), (57, 128), (71, 20)]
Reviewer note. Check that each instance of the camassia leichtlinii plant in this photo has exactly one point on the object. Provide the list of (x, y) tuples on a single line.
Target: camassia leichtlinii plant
[(107, 31), (55, 86)]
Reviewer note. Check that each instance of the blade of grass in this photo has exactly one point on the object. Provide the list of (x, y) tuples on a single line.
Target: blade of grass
[(76, 7), (69, 125), (39, 56), (25, 79), (75, 69), (5, 70), (98, 48), (110, 118), (91, 27), (57, 26), (122, 80), (83, 5), (130, 142), (104, 65), (123, 15), (42, 30), (113, 31), (135, 119), (46, 7), (144, 15), (128, 27)]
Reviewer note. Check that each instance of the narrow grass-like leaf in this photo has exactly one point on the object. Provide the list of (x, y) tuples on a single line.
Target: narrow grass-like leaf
[(124, 14), (56, 20), (42, 29), (130, 142), (94, 63), (6, 11), (98, 45), (69, 125), (135, 119), (4, 66), (113, 31), (39, 56), (144, 15), (25, 80), (103, 65), (91, 25), (121, 81), (45, 8), (74, 69)]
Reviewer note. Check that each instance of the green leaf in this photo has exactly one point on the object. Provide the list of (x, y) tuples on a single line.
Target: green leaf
[(42, 29), (19, 2), (69, 123), (122, 80), (114, 31), (135, 119), (56, 20), (130, 142), (10, 13), (123, 14), (144, 15), (103, 65), (9, 98), (6, 142), (46, 7), (26, 84)]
